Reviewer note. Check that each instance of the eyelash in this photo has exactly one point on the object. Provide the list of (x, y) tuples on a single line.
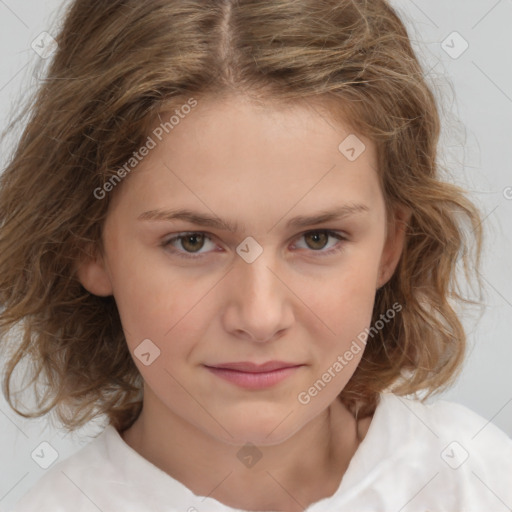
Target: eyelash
[(166, 244)]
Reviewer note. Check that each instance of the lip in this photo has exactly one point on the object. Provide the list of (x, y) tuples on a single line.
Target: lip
[(250, 367), (250, 375)]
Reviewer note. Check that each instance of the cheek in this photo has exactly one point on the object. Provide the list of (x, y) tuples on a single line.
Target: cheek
[(157, 305), (345, 296), (344, 303), (150, 300), (170, 307)]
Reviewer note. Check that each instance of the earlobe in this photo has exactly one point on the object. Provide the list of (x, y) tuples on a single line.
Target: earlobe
[(394, 244), (92, 274)]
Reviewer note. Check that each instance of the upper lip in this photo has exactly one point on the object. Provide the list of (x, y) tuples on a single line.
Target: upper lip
[(247, 366)]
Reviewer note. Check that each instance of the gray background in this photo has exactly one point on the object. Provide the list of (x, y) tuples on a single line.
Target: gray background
[(477, 117)]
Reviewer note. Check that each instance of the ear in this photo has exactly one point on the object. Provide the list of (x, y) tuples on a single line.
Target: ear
[(93, 274), (395, 241)]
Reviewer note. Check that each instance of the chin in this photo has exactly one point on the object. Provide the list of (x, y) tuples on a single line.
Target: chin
[(259, 429)]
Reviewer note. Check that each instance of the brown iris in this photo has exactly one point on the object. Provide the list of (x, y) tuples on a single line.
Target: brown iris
[(318, 238), (192, 242)]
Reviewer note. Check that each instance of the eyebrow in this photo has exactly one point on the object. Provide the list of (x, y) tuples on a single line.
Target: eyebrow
[(207, 220)]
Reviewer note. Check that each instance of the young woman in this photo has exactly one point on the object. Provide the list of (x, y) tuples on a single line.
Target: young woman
[(224, 231)]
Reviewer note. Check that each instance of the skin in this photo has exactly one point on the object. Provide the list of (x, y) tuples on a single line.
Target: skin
[(259, 166)]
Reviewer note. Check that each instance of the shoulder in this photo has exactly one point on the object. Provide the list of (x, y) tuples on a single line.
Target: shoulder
[(108, 475), (436, 455), (68, 482), (449, 425), (450, 447), (443, 418)]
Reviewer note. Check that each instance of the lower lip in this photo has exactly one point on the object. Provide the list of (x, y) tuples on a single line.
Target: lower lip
[(254, 380)]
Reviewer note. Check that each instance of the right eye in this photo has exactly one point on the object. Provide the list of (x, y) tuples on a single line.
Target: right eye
[(191, 241)]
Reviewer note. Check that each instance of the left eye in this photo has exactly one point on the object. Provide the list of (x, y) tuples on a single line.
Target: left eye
[(193, 242), (319, 238)]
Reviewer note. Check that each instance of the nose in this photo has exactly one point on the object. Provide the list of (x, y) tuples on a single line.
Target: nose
[(259, 306)]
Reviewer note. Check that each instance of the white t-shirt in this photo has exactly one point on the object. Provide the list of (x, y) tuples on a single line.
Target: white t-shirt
[(415, 457)]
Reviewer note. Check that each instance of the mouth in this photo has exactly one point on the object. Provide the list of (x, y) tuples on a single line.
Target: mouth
[(249, 367), (250, 375)]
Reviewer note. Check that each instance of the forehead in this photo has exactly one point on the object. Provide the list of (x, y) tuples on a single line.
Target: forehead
[(254, 157)]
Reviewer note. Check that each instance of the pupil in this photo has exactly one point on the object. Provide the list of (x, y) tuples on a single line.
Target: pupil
[(316, 236), (191, 239)]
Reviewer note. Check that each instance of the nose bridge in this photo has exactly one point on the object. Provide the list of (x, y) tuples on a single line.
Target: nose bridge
[(259, 304), (257, 279)]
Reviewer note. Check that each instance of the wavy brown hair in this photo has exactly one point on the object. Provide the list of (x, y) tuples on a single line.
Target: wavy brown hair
[(118, 65)]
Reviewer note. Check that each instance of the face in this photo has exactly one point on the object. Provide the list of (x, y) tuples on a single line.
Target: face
[(257, 277)]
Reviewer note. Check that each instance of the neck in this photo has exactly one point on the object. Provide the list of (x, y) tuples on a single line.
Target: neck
[(288, 476)]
